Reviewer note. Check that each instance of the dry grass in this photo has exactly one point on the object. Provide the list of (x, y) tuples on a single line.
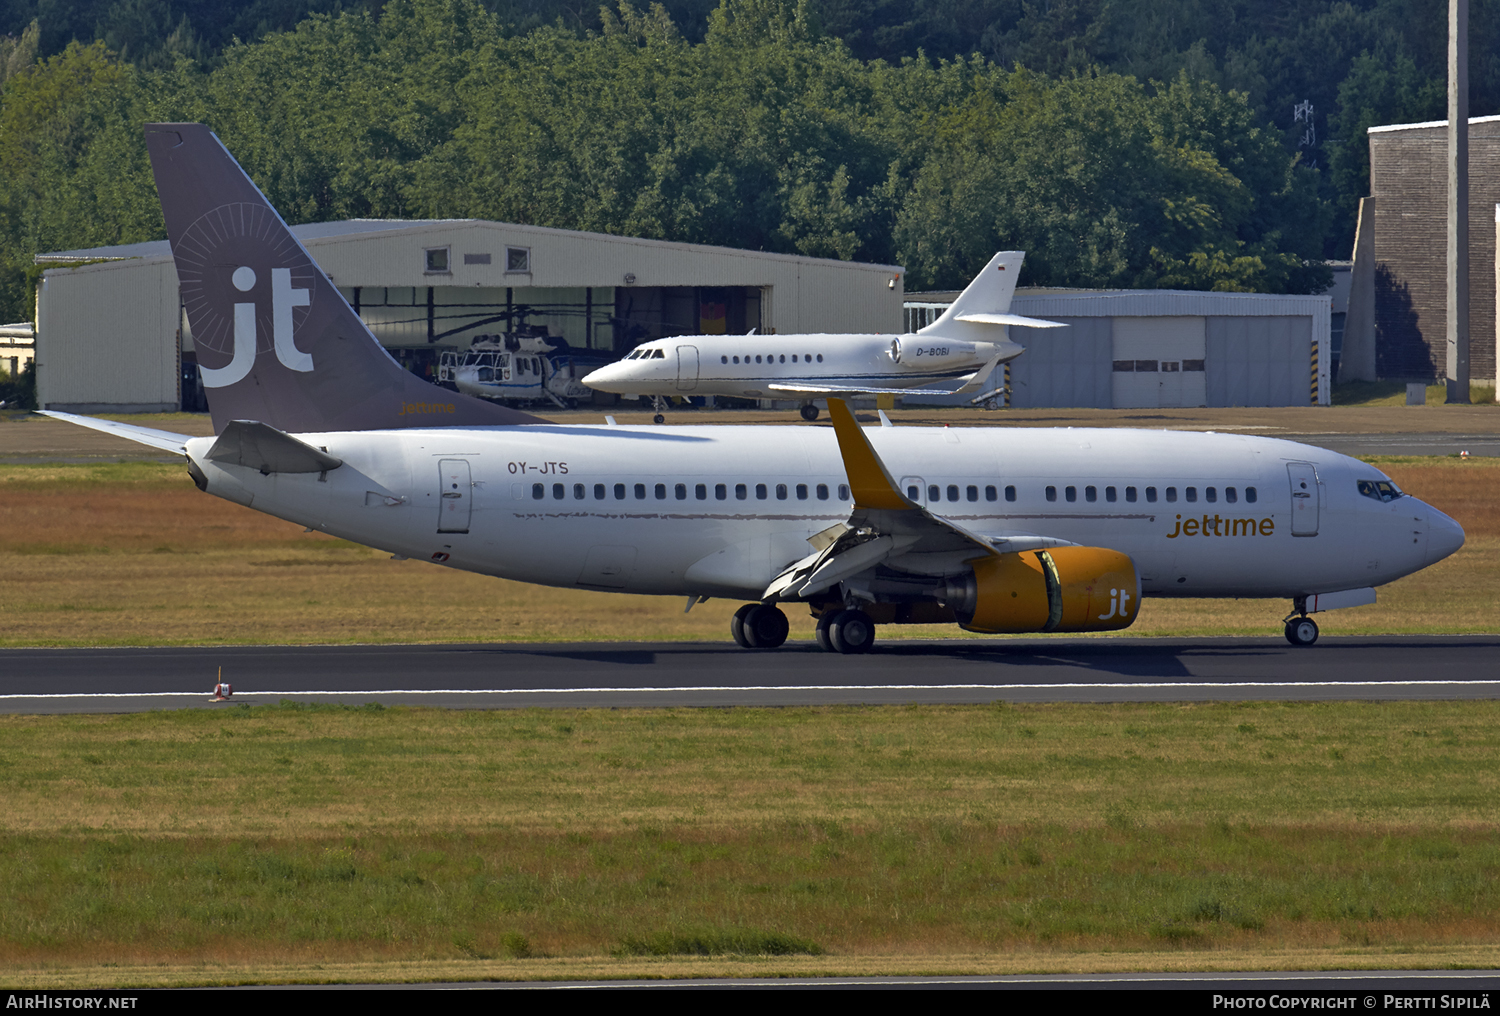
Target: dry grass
[(132, 554)]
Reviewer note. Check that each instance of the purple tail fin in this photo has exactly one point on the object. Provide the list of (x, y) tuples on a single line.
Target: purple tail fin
[(276, 341)]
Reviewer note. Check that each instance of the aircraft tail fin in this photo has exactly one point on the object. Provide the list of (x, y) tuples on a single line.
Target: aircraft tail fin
[(276, 342), (989, 293)]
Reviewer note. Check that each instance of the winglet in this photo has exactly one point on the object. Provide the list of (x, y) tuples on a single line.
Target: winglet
[(869, 481)]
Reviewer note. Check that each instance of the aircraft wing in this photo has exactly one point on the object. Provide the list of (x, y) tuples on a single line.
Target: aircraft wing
[(163, 439), (886, 527)]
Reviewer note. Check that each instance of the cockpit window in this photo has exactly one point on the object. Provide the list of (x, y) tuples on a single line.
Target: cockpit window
[(1380, 490)]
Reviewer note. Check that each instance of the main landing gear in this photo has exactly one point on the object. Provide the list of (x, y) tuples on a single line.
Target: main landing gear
[(1301, 630), (759, 626), (846, 631), (809, 412)]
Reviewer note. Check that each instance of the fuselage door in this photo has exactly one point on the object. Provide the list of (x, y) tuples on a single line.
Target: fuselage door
[(1306, 498), (456, 495), (687, 368)]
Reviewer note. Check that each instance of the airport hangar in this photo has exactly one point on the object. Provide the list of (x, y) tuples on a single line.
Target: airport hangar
[(112, 335)]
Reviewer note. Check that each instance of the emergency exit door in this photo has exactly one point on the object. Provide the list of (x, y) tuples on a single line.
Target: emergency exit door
[(456, 496), (687, 368)]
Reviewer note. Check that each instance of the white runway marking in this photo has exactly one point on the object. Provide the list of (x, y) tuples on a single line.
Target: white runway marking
[(1133, 686)]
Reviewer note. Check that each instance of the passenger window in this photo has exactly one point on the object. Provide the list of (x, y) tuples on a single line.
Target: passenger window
[(578, 492), (820, 357), (801, 492), (933, 493), (1211, 494), (781, 492), (952, 492), (598, 492), (757, 358), (843, 492), (559, 491), (1231, 495), (1071, 493), (971, 492), (620, 492), (538, 491), (1109, 494), (1191, 494), (760, 491), (661, 491), (721, 492), (822, 492), (1051, 493), (701, 492), (680, 489), (1151, 495), (640, 492), (736, 359), (1250, 495), (723, 359), (783, 358), (914, 492), (1010, 493), (1171, 494), (741, 492), (1130, 495), (1090, 494)]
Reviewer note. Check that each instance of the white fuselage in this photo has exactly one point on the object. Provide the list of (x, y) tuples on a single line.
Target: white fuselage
[(772, 366), (721, 510)]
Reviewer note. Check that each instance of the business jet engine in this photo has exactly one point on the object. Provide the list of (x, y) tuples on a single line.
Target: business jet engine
[(932, 352), (1065, 589)]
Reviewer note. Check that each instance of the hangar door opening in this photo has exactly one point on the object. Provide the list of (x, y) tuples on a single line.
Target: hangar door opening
[(1158, 362)]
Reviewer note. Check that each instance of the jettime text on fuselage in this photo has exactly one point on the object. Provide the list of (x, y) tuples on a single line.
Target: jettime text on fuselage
[(1214, 525)]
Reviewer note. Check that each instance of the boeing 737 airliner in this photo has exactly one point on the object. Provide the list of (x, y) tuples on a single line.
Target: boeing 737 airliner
[(997, 530)]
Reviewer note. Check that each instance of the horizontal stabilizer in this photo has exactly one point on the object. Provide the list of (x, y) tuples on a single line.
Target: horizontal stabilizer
[(163, 439), (268, 450), (1010, 319)]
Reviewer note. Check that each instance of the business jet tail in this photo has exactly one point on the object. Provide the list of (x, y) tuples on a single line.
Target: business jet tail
[(275, 341), (986, 303)]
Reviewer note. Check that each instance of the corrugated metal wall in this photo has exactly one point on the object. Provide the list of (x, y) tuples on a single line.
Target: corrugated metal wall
[(1063, 367), (1259, 361)]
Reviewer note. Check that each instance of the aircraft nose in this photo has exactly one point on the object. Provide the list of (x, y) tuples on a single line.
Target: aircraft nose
[(1444, 536), (603, 378)]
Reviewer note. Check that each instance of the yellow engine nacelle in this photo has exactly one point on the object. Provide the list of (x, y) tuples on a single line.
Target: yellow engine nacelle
[(1064, 589)]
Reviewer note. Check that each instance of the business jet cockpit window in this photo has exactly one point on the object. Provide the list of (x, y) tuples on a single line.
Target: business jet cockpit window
[(1380, 490)]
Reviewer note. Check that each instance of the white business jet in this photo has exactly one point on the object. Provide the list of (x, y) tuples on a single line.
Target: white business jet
[(996, 530), (959, 349)]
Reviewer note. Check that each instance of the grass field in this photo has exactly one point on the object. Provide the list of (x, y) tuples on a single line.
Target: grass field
[(133, 554), (514, 843)]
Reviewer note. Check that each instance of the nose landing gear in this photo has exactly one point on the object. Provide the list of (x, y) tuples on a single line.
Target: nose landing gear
[(659, 404)]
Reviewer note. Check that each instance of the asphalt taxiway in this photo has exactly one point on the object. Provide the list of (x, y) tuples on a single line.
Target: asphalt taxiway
[(671, 674)]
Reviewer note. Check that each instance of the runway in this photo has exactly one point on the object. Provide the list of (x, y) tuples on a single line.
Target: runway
[(688, 674)]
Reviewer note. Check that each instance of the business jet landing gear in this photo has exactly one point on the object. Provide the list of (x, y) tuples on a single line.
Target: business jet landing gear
[(846, 631), (809, 412), (1301, 630), (759, 626), (659, 404)]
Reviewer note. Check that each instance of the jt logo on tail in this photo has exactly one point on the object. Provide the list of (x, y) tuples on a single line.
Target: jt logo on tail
[(283, 298)]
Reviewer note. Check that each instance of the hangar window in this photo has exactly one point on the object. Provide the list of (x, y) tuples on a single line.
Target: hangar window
[(559, 491), (620, 492), (971, 492), (721, 492), (518, 259), (640, 492), (760, 492), (598, 492), (578, 493), (1109, 494), (781, 492), (1051, 493), (822, 492), (1091, 494), (680, 490), (538, 491), (741, 492), (436, 260), (801, 492), (1250, 494), (476, 259), (661, 492), (1070, 493), (843, 492)]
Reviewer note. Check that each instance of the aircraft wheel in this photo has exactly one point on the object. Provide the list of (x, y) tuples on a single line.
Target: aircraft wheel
[(1302, 631), (658, 418), (809, 412), (852, 632), (991, 403), (765, 627), (825, 626), (737, 626)]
